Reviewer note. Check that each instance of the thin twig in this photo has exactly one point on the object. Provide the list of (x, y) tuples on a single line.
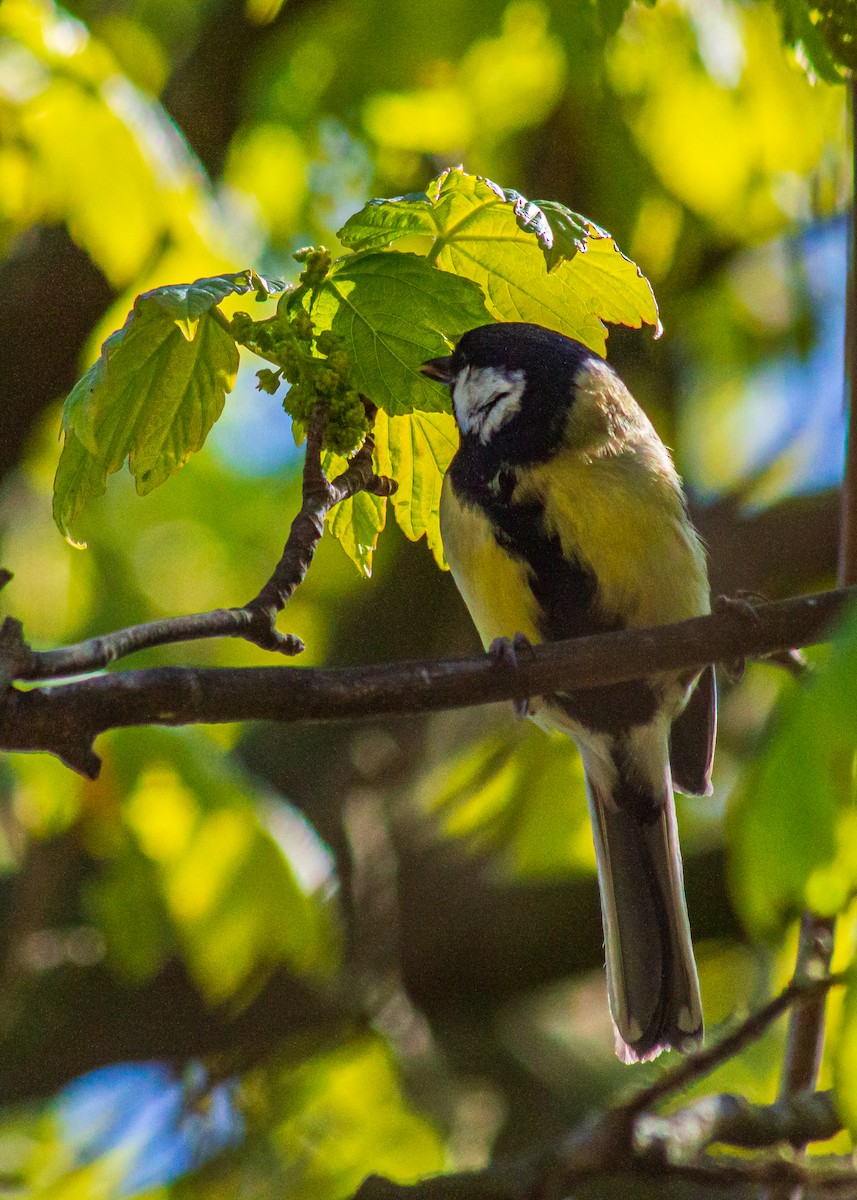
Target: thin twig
[(64, 718), (625, 1139), (701, 1063), (254, 622)]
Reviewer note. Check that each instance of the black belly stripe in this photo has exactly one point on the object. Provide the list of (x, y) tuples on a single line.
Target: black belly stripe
[(565, 589)]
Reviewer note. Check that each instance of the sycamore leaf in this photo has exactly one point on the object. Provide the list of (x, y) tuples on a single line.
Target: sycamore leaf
[(187, 302), (392, 312), (381, 222), (356, 523), (152, 395), (534, 262), (559, 232), (415, 450)]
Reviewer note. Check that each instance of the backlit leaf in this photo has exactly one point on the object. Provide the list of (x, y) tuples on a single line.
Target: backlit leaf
[(392, 312), (356, 523), (415, 450), (506, 244), (152, 395)]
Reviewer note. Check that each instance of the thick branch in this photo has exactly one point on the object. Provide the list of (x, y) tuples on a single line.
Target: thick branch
[(64, 718)]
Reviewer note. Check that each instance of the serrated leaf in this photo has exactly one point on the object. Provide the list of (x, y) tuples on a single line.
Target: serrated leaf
[(559, 232), (392, 312), (356, 523), (187, 302), (484, 242), (382, 222), (535, 262), (415, 450), (151, 398)]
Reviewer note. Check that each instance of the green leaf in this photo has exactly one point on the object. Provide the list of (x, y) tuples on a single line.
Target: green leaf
[(152, 396), (793, 828), (382, 222), (534, 262), (559, 232), (392, 312), (185, 303), (80, 477), (356, 523), (415, 450)]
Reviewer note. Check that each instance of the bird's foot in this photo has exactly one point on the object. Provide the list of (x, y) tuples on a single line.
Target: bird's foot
[(504, 651), (742, 606)]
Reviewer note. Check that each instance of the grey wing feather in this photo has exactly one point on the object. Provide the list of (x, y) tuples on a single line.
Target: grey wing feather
[(692, 738)]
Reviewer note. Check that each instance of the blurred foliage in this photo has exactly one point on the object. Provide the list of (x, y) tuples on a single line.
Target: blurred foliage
[(172, 140)]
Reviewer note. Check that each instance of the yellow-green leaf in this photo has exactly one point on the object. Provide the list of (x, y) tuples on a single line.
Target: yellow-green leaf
[(415, 450), (356, 523), (152, 395)]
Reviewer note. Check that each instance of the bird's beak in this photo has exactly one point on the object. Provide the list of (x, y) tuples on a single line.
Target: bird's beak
[(439, 369)]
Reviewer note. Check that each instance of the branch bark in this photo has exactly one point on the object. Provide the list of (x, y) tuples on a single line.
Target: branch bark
[(65, 718)]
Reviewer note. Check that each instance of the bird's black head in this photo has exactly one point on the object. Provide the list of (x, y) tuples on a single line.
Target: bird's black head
[(512, 387)]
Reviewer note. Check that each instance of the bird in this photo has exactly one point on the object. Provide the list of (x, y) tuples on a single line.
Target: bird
[(562, 515)]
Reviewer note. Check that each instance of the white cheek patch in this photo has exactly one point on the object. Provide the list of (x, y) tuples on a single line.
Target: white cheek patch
[(484, 398)]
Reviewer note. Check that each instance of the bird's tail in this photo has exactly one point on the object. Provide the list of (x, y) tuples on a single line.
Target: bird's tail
[(651, 973)]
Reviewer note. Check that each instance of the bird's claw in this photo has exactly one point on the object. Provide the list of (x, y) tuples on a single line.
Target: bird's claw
[(742, 606), (504, 651)]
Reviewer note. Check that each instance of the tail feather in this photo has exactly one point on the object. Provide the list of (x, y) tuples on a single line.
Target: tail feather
[(651, 973)]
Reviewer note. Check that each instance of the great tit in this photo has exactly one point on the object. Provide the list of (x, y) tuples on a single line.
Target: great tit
[(562, 515)]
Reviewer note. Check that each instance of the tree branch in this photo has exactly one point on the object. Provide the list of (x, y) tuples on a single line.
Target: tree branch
[(255, 621), (734, 1121), (625, 1139), (64, 718)]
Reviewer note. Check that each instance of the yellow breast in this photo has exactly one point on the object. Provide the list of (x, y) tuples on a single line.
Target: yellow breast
[(627, 521), (494, 586)]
